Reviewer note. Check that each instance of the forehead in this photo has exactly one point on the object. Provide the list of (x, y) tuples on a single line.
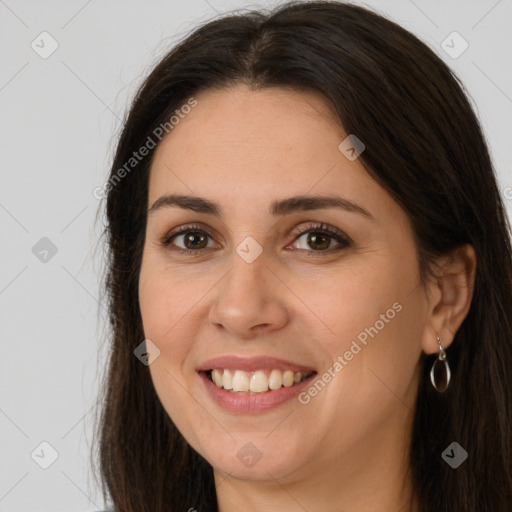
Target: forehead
[(238, 120), (250, 146)]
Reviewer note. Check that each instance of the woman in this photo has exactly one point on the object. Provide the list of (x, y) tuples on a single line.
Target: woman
[(309, 277)]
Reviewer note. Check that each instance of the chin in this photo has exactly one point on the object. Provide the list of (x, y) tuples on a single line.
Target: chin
[(255, 457)]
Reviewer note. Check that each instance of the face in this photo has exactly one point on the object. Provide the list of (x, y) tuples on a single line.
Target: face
[(256, 281)]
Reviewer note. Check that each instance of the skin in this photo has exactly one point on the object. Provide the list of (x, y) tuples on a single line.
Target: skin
[(347, 448)]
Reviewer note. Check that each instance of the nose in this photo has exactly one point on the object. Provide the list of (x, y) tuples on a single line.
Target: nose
[(250, 300)]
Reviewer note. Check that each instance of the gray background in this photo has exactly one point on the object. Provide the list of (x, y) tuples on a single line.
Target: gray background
[(59, 119)]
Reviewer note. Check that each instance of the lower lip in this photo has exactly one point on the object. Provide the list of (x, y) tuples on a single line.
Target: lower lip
[(252, 404)]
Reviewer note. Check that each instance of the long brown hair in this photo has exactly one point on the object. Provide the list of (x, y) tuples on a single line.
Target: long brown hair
[(424, 145)]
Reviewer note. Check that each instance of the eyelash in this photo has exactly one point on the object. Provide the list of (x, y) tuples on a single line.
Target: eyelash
[(317, 228)]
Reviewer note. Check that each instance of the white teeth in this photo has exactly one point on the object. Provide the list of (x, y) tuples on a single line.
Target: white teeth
[(227, 380), (287, 378), (275, 379), (256, 382), (217, 377), (240, 381), (259, 382)]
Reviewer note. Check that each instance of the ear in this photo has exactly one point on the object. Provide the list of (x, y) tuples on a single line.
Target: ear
[(449, 296)]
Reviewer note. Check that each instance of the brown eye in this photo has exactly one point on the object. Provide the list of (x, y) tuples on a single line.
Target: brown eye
[(321, 238), (318, 241), (188, 240), (195, 240)]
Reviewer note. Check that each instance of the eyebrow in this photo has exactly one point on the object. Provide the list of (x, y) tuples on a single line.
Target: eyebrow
[(277, 208)]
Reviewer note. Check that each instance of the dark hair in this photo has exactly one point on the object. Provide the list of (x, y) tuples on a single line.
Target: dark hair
[(424, 146)]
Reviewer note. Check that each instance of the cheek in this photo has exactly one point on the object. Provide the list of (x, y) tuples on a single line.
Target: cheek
[(359, 299), (154, 305), (164, 306), (173, 308), (164, 298), (375, 315)]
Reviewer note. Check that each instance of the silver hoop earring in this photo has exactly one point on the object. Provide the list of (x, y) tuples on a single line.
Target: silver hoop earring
[(440, 372)]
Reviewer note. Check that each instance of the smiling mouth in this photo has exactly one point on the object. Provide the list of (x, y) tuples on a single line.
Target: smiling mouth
[(257, 382)]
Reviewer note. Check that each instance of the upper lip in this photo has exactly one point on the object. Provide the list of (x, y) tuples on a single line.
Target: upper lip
[(252, 364)]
